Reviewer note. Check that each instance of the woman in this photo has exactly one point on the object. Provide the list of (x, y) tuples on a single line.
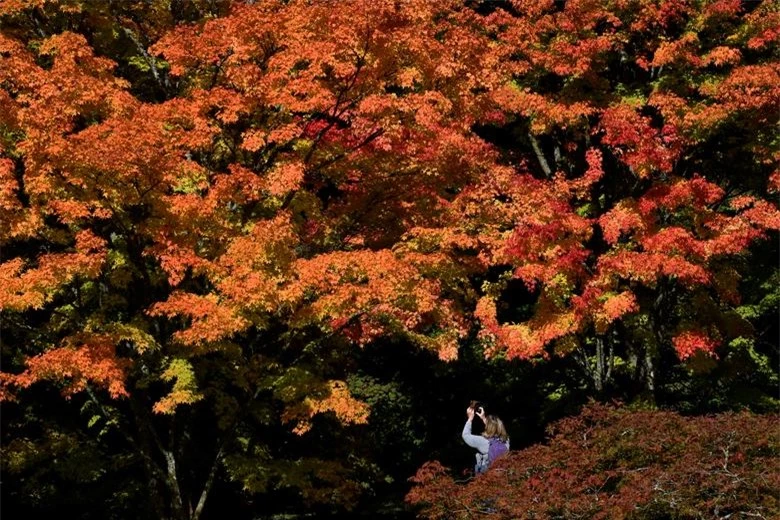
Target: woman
[(493, 442)]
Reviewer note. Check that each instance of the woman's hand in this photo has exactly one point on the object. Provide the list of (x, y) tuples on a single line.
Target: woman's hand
[(470, 413), (481, 415)]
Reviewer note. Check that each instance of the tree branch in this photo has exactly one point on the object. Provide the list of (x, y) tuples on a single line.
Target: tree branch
[(540, 155), (207, 486), (162, 81), (148, 461)]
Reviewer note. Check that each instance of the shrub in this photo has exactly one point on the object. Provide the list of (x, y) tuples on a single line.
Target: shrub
[(617, 463)]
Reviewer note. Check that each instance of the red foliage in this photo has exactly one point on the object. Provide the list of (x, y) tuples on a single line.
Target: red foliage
[(317, 172), (617, 463), (643, 148), (689, 343), (319, 166)]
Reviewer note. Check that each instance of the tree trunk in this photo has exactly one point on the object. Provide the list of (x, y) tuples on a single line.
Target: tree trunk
[(659, 319), (649, 372), (195, 515), (177, 506), (167, 471), (540, 155), (598, 376)]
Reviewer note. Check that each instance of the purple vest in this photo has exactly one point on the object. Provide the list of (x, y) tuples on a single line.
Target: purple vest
[(497, 448)]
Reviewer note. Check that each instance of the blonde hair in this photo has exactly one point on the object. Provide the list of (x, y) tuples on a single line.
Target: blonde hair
[(494, 427)]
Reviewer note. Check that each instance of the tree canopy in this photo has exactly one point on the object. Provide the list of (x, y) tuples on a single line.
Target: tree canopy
[(215, 213)]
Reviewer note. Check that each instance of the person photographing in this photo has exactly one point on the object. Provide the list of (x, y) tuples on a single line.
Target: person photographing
[(493, 442)]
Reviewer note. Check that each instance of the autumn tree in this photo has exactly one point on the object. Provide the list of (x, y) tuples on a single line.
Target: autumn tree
[(627, 235), (215, 253), (208, 207)]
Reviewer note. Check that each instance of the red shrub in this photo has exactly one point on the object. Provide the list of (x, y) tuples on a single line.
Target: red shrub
[(617, 463)]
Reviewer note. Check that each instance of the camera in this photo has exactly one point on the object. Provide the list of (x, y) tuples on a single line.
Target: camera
[(477, 406)]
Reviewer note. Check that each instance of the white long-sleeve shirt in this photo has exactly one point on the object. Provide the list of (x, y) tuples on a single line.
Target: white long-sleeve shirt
[(475, 441), (479, 442)]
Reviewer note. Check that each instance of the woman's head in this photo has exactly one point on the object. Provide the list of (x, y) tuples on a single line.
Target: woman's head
[(495, 428)]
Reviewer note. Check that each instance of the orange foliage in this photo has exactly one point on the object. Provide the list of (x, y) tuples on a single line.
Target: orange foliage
[(339, 401), (33, 287), (322, 166), (241, 195), (82, 359)]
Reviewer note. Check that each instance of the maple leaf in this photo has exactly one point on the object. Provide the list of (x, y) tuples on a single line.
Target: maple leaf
[(689, 343)]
